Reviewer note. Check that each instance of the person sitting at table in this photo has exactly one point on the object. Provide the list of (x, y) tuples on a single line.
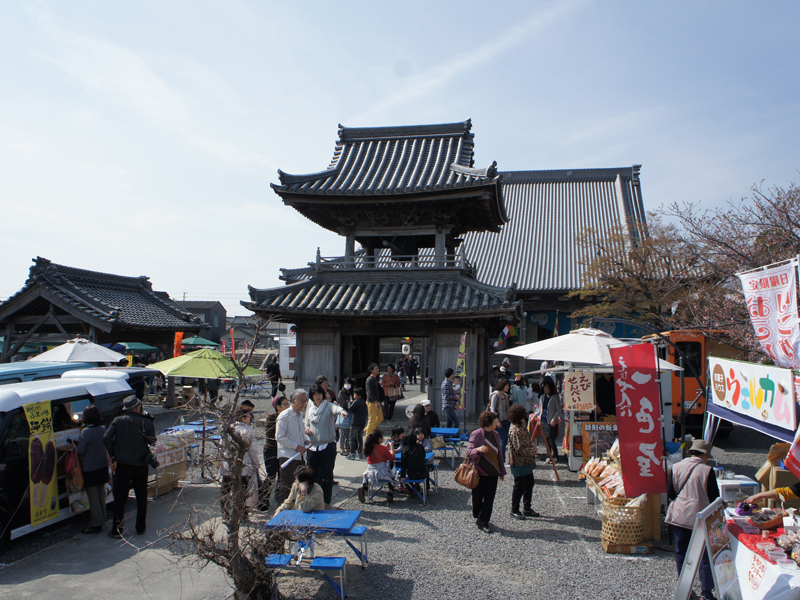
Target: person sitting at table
[(396, 442), (380, 463), (433, 417), (306, 494), (419, 419), (413, 464)]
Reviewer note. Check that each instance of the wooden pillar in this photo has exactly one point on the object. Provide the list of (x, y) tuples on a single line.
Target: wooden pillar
[(7, 340), (350, 251), (439, 250)]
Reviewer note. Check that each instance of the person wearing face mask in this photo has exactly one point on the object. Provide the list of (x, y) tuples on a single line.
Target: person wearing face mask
[(450, 399), (343, 423)]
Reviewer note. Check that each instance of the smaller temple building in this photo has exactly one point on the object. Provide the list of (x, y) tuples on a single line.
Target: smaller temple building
[(59, 302), (407, 196)]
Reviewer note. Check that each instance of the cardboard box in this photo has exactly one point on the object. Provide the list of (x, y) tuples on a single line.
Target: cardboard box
[(762, 476), (782, 478), (643, 548)]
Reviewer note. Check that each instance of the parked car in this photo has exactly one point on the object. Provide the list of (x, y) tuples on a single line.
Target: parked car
[(105, 390)]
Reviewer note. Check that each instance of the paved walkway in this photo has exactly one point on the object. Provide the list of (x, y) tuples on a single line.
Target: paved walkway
[(97, 566)]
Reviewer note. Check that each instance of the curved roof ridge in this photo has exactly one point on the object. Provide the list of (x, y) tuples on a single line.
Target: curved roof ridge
[(358, 133)]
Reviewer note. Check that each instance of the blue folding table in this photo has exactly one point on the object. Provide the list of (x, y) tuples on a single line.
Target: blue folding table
[(452, 442)]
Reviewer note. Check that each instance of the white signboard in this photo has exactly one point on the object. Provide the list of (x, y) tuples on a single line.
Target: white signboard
[(579, 391), (762, 393)]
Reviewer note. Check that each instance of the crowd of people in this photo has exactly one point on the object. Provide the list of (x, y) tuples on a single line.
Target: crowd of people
[(310, 428)]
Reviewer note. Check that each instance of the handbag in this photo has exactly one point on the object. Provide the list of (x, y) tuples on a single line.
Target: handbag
[(395, 392), (467, 475), (437, 442)]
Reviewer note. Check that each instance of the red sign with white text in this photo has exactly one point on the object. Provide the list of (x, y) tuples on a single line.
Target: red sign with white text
[(639, 420)]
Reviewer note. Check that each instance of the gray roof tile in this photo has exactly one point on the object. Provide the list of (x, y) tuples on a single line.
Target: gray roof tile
[(395, 160), (128, 302), (347, 295), (539, 249)]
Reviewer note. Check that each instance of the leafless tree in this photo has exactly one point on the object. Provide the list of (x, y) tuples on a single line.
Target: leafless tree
[(683, 274), (230, 534)]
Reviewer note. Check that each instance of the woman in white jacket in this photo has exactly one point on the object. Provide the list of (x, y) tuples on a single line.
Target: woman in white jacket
[(242, 429)]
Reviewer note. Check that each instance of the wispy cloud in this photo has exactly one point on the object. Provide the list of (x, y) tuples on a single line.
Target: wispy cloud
[(429, 80), (126, 79)]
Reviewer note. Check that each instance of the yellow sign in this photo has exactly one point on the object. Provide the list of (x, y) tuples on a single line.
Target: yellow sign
[(42, 458)]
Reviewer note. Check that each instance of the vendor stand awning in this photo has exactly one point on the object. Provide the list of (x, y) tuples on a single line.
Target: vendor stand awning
[(752, 395)]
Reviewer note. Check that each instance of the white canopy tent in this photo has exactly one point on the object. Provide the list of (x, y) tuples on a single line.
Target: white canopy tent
[(80, 350), (580, 346)]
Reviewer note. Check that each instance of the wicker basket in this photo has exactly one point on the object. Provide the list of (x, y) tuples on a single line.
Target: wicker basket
[(621, 524)]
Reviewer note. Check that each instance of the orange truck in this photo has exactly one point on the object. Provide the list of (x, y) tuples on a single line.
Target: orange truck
[(696, 346)]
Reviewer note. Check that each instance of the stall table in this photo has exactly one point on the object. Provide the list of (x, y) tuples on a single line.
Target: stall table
[(759, 577)]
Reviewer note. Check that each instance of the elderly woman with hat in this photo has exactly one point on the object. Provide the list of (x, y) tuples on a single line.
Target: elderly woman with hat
[(691, 487)]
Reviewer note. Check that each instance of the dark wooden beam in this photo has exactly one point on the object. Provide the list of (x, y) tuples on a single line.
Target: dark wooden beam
[(63, 319), (53, 318), (5, 357)]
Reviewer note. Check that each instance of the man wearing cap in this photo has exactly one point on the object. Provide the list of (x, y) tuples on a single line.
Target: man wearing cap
[(691, 487), (128, 441), (433, 417)]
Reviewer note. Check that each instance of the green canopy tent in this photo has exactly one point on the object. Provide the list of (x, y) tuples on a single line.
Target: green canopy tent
[(137, 347), (203, 364), (199, 341)]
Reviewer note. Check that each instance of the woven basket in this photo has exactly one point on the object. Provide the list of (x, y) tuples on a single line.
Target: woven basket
[(621, 524)]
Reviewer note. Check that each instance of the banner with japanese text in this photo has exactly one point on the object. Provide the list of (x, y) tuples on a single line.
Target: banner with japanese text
[(639, 420), (461, 369), (579, 391), (771, 296), (177, 349), (42, 457)]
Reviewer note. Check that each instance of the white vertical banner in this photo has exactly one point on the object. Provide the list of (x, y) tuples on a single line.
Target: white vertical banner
[(771, 296)]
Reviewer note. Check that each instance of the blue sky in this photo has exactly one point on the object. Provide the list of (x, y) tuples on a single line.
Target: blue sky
[(141, 137)]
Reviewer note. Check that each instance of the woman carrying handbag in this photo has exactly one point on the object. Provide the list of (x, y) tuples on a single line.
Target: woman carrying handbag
[(484, 452)]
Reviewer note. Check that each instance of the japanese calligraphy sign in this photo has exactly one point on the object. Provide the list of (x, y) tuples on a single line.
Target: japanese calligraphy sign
[(461, 369), (639, 420), (765, 394), (42, 463), (771, 296), (578, 391)]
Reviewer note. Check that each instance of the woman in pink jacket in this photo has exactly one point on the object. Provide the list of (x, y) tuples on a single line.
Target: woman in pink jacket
[(484, 451)]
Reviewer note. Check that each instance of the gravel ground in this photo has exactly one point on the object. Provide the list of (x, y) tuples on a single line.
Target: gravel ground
[(436, 551)]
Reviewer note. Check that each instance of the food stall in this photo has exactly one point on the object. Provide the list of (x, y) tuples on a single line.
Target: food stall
[(764, 541)]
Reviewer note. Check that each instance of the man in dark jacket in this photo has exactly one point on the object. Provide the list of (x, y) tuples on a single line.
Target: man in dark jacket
[(274, 374), (128, 440)]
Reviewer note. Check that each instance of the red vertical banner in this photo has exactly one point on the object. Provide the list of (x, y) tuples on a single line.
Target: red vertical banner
[(223, 347), (639, 420), (233, 346), (178, 349)]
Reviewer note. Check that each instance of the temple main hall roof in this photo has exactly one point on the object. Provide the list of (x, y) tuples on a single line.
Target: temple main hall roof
[(430, 164)]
